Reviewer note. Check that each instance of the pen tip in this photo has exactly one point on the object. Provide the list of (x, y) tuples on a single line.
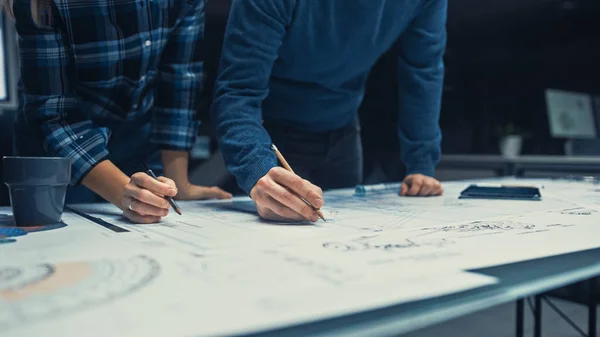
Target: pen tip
[(178, 211)]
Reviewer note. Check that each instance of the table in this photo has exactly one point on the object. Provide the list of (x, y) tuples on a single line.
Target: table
[(542, 275), (526, 248), (517, 166)]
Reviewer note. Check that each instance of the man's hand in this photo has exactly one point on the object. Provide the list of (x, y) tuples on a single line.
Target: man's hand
[(143, 198), (277, 196), (420, 185), (194, 192)]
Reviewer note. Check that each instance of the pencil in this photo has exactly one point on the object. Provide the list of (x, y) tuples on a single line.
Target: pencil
[(289, 168), (169, 199)]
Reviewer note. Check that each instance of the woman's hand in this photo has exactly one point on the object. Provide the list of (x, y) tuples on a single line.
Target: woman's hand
[(190, 191), (175, 165), (144, 200)]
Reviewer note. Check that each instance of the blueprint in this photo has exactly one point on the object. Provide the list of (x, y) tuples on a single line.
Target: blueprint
[(219, 269)]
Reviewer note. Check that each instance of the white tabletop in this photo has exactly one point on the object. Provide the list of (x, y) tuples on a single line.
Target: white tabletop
[(219, 270)]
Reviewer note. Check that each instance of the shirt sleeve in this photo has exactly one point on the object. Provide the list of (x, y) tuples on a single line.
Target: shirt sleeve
[(178, 84), (49, 98), (253, 36), (420, 77)]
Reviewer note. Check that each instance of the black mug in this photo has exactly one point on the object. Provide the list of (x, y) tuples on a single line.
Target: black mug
[(37, 188)]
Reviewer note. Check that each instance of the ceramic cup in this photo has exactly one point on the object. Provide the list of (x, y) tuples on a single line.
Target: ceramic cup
[(37, 187)]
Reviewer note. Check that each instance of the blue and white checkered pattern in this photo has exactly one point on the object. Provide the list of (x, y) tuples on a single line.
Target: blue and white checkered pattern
[(111, 59)]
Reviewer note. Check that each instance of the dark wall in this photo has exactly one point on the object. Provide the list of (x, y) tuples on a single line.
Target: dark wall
[(501, 56), (500, 63)]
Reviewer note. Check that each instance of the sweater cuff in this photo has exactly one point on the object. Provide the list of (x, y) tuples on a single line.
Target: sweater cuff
[(426, 169), (252, 173)]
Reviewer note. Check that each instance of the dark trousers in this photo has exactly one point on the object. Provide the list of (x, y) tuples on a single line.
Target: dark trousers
[(329, 160)]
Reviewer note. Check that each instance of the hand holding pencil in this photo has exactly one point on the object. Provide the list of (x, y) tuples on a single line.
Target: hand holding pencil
[(283, 195)]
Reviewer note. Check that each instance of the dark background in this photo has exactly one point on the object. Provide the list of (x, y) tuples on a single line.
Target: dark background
[(501, 56)]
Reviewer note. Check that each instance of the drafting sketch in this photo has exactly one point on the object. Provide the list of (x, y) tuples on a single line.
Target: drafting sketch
[(578, 211), (36, 292), (478, 228), (363, 244)]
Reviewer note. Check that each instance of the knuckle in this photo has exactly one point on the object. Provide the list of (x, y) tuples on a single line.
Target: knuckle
[(286, 196), (137, 176), (273, 171), (128, 189), (144, 195), (306, 211), (262, 183), (297, 182), (279, 210)]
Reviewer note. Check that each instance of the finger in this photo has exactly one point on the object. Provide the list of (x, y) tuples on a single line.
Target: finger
[(301, 187), (275, 210), (437, 189), (147, 182), (145, 196), (403, 189), (167, 181), (293, 201), (426, 188), (218, 193), (268, 214), (415, 187), (140, 219), (145, 209)]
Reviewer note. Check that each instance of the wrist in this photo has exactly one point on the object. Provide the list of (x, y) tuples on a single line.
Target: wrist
[(108, 181), (175, 167)]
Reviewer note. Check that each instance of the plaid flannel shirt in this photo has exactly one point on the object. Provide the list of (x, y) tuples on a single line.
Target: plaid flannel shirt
[(110, 59)]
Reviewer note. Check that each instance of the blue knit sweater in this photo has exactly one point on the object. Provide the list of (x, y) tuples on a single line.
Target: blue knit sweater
[(305, 63)]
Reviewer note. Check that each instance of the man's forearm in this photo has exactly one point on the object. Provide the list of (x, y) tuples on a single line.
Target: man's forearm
[(175, 166), (108, 181)]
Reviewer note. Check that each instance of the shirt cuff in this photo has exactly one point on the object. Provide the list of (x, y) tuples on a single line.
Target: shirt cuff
[(251, 173), (174, 134), (86, 151)]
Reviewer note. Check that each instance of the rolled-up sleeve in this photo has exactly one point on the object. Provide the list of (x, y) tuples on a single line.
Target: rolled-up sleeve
[(180, 77), (50, 101)]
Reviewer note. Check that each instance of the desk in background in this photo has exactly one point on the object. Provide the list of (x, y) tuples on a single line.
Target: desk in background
[(453, 167)]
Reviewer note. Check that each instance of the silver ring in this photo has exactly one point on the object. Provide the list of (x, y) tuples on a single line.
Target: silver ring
[(131, 202)]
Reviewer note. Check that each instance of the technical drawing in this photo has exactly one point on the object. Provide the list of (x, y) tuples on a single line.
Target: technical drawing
[(32, 293), (476, 228), (365, 244)]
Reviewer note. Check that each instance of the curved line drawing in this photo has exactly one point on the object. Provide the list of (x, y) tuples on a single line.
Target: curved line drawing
[(38, 292)]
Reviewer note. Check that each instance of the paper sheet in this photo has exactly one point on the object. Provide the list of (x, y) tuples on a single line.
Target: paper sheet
[(149, 296)]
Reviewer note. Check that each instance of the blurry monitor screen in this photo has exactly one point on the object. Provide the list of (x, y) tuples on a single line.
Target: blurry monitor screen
[(571, 114)]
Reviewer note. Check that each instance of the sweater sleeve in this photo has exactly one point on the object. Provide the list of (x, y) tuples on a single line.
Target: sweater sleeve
[(420, 78), (254, 33)]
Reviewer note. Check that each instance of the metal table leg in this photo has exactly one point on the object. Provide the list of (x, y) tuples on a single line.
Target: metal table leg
[(520, 317), (537, 329), (592, 308)]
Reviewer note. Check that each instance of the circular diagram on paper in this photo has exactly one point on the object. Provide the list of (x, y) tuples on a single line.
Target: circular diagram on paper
[(35, 292)]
